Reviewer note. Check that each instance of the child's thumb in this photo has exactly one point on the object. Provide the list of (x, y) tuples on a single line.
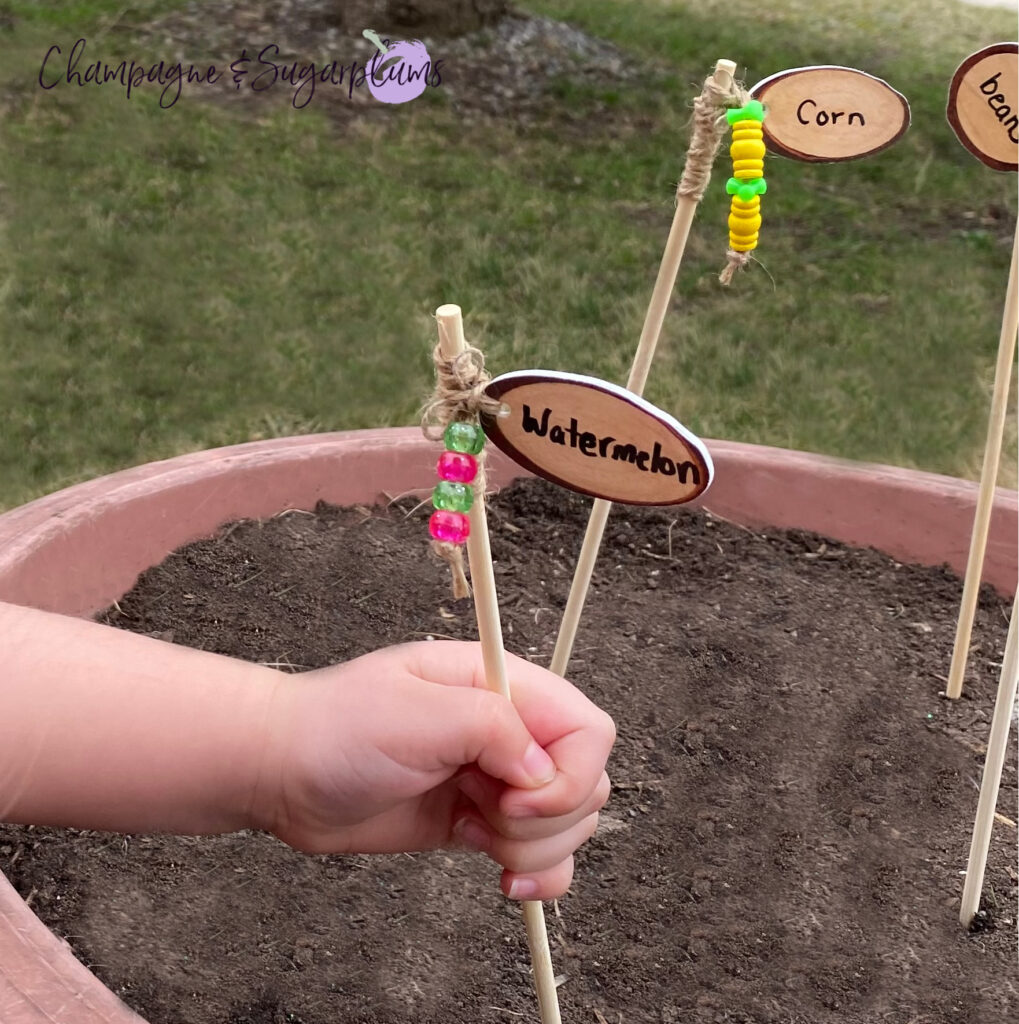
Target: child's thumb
[(474, 725)]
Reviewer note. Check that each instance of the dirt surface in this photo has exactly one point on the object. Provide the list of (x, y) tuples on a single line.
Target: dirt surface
[(791, 809)]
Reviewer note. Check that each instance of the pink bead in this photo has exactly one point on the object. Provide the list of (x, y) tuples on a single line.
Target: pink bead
[(449, 527), (457, 466)]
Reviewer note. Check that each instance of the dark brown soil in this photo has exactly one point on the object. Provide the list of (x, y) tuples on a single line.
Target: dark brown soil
[(791, 810)]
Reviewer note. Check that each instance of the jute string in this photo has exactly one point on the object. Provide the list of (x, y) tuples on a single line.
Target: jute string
[(734, 261), (459, 396), (709, 127)]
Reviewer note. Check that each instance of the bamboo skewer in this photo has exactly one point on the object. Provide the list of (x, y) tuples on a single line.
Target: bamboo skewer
[(486, 607), (993, 764), (988, 478), (686, 207)]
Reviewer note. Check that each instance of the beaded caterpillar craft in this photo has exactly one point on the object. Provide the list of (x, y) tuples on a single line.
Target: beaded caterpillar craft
[(453, 496), (747, 183)]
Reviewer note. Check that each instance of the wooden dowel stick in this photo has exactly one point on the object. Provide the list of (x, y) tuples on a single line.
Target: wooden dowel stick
[(486, 607), (988, 479), (581, 582), (661, 295), (993, 764)]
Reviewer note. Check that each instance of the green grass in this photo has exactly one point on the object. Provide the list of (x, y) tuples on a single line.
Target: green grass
[(177, 279)]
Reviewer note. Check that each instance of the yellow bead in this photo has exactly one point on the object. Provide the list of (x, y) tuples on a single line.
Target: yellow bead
[(748, 170), (748, 150), (746, 138), (744, 225)]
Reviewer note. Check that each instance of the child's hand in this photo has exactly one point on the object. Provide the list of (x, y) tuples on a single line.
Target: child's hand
[(404, 749)]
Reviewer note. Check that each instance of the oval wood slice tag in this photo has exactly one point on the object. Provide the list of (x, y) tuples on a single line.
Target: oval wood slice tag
[(983, 105), (826, 114), (596, 438)]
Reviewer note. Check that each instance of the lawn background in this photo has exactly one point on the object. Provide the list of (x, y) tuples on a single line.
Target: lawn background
[(178, 279)]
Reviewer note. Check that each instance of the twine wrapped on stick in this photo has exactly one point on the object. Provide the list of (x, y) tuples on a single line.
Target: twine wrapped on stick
[(719, 94), (459, 397)]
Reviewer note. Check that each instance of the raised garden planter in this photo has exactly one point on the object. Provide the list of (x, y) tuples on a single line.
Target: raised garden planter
[(78, 550)]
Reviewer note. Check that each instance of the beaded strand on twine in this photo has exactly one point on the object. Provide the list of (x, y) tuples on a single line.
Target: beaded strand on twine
[(459, 397), (746, 186), (709, 127)]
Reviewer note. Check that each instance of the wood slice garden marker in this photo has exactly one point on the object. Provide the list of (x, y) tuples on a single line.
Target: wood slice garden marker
[(596, 438), (827, 113), (486, 606), (982, 103), (719, 93)]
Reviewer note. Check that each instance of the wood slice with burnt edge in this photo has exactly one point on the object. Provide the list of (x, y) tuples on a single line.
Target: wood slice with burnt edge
[(596, 438), (850, 115), (973, 118)]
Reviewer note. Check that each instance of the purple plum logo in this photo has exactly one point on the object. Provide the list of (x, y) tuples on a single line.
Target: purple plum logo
[(398, 72)]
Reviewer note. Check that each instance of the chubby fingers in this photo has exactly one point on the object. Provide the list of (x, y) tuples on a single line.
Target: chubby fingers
[(523, 856), (538, 869), (535, 852), (529, 825), (488, 799), (541, 869), (572, 730), (539, 885)]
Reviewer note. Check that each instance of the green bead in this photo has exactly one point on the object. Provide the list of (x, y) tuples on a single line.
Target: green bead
[(464, 437), (746, 190), (753, 111), (451, 497)]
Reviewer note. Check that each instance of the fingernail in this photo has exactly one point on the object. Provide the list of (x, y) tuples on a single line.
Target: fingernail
[(523, 889), (539, 765), (470, 834)]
